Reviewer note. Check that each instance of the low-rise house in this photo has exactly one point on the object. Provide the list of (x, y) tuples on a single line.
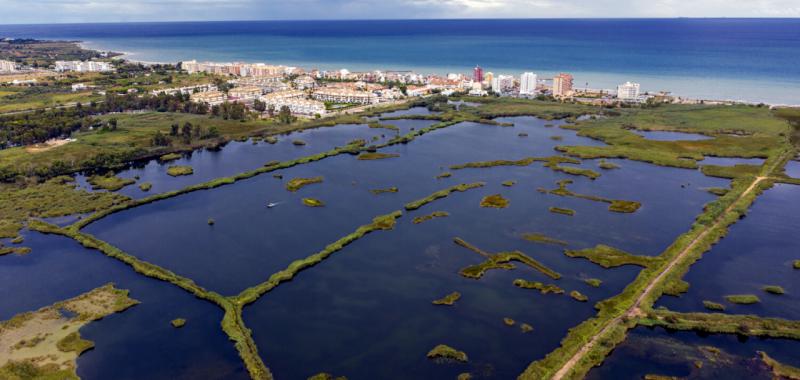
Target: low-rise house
[(209, 97), (334, 95)]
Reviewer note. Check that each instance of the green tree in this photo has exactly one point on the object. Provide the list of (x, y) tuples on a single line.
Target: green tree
[(259, 106), (285, 115)]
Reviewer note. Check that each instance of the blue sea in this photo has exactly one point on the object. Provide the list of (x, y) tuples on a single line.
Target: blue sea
[(741, 59)]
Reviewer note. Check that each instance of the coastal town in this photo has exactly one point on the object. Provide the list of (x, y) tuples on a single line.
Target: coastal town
[(267, 88)]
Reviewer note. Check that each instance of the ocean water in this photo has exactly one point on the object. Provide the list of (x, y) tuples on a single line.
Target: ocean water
[(741, 59)]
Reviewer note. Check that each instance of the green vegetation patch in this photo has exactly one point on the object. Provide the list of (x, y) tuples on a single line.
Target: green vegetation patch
[(525, 328), (508, 183), (376, 156), (74, 343), (295, 184), (494, 201), (392, 189), (435, 214), (501, 260), (145, 186), (562, 211), (449, 299), (313, 202), (178, 323), (55, 197), (743, 299), (444, 175), (593, 282), (541, 287), (578, 296), (109, 182), (326, 376), (180, 170), (796, 264), (610, 257), (730, 172), (615, 205), (17, 250), (718, 191), (737, 131), (442, 194), (551, 162), (543, 239), (774, 289), (719, 323), (607, 165), (31, 370), (446, 353), (170, 157), (298, 142), (624, 206), (714, 306), (780, 370), (378, 125)]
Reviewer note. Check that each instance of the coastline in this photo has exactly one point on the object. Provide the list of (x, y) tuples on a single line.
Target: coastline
[(690, 88)]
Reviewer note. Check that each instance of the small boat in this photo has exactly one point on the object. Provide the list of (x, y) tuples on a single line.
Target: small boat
[(272, 204)]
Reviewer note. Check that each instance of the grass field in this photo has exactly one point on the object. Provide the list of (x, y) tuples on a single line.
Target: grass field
[(36, 101)]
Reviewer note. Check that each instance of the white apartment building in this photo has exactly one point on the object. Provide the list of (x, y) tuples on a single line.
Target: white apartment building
[(282, 95), (7, 66), (527, 83), (185, 90), (502, 83), (83, 66), (209, 97), (299, 106), (628, 91), (341, 95), (245, 93)]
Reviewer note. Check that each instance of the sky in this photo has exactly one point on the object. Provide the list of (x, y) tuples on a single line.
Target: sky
[(78, 11)]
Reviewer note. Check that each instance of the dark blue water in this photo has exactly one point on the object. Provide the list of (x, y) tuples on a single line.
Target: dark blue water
[(758, 251), (366, 312), (269, 239), (749, 59), (138, 343), (660, 352)]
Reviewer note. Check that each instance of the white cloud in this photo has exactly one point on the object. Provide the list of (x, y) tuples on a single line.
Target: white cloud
[(27, 11)]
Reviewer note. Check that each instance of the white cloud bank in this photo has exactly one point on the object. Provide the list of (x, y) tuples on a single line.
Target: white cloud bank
[(52, 11)]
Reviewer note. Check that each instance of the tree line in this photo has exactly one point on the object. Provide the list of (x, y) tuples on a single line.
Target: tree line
[(39, 126)]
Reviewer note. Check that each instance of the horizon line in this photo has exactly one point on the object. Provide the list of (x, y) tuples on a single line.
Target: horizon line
[(406, 19)]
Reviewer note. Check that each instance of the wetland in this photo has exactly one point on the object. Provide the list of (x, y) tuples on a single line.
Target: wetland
[(406, 271)]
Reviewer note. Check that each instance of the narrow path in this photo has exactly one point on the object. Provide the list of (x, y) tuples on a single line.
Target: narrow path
[(635, 310)]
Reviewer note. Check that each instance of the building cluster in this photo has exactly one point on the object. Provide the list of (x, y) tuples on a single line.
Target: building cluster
[(83, 66), (187, 90), (7, 66), (561, 86), (296, 100), (314, 92), (345, 96), (238, 69)]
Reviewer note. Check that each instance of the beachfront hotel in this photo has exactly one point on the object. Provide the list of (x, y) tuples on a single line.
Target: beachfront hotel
[(83, 66), (502, 83), (628, 91), (345, 96), (562, 85), (527, 83)]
